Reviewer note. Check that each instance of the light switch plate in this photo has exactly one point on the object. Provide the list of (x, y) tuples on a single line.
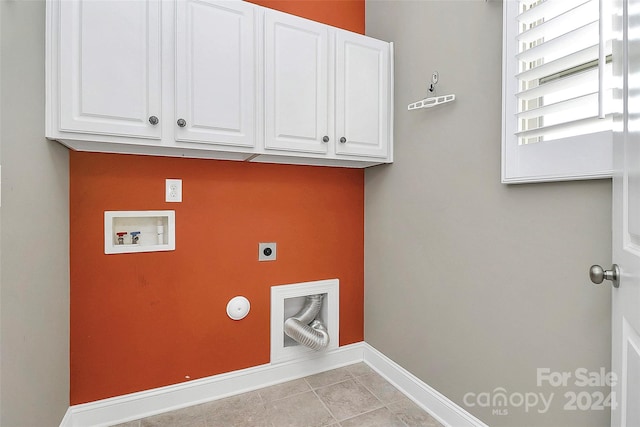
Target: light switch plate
[(267, 251)]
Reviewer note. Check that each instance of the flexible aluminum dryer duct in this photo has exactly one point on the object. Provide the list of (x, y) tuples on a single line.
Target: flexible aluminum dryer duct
[(305, 328)]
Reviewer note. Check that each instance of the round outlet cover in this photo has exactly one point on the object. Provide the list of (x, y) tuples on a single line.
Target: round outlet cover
[(238, 308)]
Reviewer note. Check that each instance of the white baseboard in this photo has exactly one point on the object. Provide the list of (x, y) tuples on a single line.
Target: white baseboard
[(429, 399), (143, 404), (66, 420)]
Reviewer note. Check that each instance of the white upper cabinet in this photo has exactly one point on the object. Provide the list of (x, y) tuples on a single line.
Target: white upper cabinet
[(219, 79), (215, 72), (109, 79), (362, 95), (296, 83), (325, 91)]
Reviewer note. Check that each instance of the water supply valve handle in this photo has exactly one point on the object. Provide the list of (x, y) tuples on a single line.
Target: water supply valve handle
[(121, 235), (135, 236)]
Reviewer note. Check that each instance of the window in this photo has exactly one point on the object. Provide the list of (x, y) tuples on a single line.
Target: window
[(556, 90)]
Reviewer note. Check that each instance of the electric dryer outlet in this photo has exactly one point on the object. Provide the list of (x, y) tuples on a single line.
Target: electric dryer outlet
[(266, 251)]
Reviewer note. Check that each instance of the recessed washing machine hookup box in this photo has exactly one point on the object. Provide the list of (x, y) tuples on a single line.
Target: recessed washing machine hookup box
[(139, 231)]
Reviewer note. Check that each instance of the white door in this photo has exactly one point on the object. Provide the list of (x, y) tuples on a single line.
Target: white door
[(626, 219), (215, 72), (296, 84), (110, 67), (362, 95)]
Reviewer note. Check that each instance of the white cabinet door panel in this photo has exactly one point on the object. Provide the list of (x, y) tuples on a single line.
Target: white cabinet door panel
[(296, 84), (362, 95), (215, 72), (109, 75)]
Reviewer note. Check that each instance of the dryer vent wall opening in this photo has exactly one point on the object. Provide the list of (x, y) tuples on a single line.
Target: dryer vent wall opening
[(304, 319), (306, 327)]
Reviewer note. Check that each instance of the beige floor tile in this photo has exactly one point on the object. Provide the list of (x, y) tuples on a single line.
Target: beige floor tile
[(329, 377), (378, 418), (412, 415), (359, 369), (303, 409), (188, 417), (347, 399), (243, 410), (280, 391), (135, 423), (380, 388)]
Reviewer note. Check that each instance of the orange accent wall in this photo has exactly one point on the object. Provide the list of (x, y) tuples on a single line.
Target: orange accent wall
[(146, 320), (140, 321), (346, 14)]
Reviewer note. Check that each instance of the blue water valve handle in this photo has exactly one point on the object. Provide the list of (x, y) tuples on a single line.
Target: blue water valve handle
[(135, 236)]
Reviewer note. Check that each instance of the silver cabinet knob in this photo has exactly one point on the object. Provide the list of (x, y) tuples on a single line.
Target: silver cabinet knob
[(343, 140), (182, 123), (153, 120), (325, 139), (597, 275)]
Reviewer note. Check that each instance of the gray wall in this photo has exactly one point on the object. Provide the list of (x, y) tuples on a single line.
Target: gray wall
[(470, 284), (34, 223)]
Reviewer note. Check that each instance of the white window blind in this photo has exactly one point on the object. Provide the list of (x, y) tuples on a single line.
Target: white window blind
[(556, 106)]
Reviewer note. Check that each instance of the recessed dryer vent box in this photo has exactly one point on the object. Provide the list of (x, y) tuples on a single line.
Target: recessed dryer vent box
[(139, 231), (286, 301)]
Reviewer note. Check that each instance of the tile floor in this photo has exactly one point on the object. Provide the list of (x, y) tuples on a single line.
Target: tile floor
[(353, 396)]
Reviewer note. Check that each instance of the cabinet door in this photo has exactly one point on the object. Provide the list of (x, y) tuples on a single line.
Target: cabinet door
[(362, 95), (215, 72), (296, 85), (109, 67)]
